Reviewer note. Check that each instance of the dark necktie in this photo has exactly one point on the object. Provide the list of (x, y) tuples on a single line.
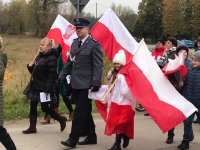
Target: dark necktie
[(79, 45)]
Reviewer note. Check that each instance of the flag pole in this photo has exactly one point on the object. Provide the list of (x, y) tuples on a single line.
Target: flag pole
[(36, 55), (104, 97), (138, 46)]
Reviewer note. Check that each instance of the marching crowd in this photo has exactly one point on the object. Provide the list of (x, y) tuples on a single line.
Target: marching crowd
[(85, 67)]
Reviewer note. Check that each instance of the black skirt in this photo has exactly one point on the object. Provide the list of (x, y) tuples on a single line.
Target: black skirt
[(34, 95)]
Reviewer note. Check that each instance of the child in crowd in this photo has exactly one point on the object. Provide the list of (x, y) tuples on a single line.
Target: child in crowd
[(191, 92), (121, 92), (183, 48)]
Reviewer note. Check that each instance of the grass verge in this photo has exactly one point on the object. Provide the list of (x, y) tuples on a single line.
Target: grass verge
[(16, 106)]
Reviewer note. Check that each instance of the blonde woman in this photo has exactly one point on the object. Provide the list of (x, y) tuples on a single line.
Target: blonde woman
[(44, 75)]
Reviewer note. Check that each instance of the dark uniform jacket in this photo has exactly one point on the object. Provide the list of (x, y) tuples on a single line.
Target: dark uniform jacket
[(86, 64), (45, 73)]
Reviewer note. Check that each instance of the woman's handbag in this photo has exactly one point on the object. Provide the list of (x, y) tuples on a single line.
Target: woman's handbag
[(27, 88)]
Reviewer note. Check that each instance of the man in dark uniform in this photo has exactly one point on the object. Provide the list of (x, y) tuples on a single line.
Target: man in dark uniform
[(86, 63)]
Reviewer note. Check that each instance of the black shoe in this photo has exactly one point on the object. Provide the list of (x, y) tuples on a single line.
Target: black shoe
[(86, 142), (147, 114), (170, 139), (196, 121), (126, 140), (68, 143), (115, 147), (184, 145), (192, 137)]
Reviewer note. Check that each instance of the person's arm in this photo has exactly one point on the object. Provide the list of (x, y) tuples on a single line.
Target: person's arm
[(51, 76), (109, 74), (66, 70), (97, 58), (30, 67)]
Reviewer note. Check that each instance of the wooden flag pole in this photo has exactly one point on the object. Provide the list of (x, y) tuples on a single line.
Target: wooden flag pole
[(109, 90), (36, 55)]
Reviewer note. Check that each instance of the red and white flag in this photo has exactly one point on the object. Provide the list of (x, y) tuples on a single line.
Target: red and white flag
[(143, 76), (63, 33), (113, 35), (119, 107), (176, 65)]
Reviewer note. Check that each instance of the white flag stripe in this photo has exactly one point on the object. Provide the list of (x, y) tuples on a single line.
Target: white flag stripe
[(174, 64), (122, 35), (62, 24)]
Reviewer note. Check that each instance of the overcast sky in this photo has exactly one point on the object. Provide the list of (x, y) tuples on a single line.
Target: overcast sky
[(102, 5)]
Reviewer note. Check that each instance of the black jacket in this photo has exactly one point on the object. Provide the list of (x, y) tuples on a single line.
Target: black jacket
[(45, 72)]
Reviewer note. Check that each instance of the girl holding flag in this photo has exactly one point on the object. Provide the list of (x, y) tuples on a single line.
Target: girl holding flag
[(120, 104)]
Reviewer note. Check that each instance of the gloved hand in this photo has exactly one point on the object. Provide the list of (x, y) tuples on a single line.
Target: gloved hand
[(58, 82), (94, 88)]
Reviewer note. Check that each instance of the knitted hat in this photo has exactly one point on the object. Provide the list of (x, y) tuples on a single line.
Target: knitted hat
[(161, 41), (120, 57), (182, 47), (197, 55)]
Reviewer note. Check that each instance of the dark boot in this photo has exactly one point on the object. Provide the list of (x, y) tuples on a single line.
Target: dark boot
[(117, 144), (184, 145), (61, 119), (192, 136), (126, 140), (6, 140), (170, 139), (32, 127)]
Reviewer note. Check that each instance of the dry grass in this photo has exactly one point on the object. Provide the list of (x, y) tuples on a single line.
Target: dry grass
[(20, 51)]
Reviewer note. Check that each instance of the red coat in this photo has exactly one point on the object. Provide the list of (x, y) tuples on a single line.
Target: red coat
[(158, 52)]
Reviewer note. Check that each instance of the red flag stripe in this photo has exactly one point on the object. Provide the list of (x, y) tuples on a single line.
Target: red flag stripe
[(57, 36), (109, 43)]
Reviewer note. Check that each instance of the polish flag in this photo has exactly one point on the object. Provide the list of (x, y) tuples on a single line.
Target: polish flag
[(118, 109), (176, 65), (142, 75), (63, 33)]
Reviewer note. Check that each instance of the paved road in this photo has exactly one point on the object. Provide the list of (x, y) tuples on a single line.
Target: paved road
[(147, 136)]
